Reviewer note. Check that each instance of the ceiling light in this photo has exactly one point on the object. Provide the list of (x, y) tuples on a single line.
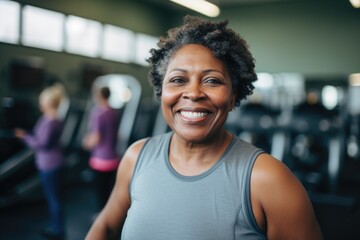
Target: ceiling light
[(200, 6), (355, 3)]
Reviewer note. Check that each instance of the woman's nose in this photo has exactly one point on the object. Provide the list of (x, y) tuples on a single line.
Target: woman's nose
[(194, 91)]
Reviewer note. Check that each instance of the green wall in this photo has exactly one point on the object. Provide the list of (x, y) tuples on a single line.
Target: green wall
[(307, 36)]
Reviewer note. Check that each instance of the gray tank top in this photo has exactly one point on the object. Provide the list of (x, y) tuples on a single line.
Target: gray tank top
[(214, 205)]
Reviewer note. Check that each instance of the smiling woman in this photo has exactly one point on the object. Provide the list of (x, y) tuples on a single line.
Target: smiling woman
[(199, 181)]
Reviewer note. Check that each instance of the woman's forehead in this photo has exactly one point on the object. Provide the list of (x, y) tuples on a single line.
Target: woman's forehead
[(192, 55)]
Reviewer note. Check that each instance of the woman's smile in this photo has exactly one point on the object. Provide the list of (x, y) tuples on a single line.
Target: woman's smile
[(193, 115)]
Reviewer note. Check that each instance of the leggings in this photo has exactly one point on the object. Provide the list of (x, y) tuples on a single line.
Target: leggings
[(103, 183)]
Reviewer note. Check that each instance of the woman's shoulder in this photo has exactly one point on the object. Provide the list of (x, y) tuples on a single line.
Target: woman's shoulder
[(282, 199), (46, 121), (269, 170), (274, 184), (134, 149), (128, 160), (244, 145), (132, 153)]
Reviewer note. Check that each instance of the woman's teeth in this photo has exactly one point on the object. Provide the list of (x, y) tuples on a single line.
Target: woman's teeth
[(189, 114)]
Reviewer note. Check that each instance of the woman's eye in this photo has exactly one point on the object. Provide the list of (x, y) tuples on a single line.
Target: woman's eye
[(177, 80), (213, 81)]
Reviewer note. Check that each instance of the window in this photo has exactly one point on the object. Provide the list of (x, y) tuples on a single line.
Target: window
[(83, 36), (9, 21), (55, 31), (42, 28), (118, 44), (143, 44)]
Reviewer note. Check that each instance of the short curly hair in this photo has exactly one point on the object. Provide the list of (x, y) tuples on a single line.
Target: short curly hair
[(225, 43)]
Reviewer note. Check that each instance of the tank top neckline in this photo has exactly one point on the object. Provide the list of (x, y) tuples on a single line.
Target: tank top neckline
[(198, 176)]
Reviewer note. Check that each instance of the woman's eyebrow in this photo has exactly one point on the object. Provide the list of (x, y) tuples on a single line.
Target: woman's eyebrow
[(178, 69), (213, 70)]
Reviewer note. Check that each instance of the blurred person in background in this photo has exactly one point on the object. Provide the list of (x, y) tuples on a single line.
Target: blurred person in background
[(101, 140), (45, 141), (200, 181)]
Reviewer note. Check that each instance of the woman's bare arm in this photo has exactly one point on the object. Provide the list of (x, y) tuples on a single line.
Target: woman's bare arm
[(280, 203), (111, 219), (91, 140)]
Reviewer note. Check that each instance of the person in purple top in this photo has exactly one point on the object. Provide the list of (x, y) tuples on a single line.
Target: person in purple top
[(48, 156), (101, 141)]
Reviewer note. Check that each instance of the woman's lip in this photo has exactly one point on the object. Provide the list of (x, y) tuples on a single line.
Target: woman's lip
[(194, 109)]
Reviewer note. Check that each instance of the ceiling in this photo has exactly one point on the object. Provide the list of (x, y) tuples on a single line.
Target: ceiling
[(240, 2), (220, 3)]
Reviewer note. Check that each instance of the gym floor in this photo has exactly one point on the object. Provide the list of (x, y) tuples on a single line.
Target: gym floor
[(24, 221)]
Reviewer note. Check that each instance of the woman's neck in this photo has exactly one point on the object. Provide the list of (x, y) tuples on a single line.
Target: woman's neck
[(51, 113), (195, 158)]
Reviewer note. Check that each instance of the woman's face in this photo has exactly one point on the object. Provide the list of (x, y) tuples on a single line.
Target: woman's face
[(44, 104), (196, 94)]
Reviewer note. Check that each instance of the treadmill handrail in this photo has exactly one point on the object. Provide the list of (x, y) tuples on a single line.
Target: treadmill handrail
[(13, 163)]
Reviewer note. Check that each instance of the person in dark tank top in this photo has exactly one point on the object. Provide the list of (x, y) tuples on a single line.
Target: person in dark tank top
[(199, 181)]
